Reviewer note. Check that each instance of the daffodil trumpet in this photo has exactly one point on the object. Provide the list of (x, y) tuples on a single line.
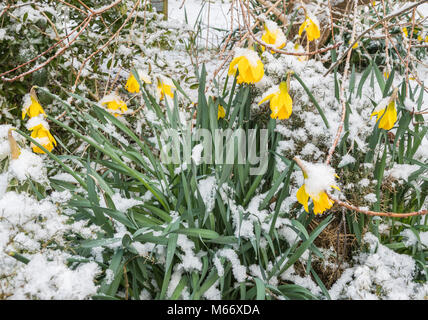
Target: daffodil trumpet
[(280, 102), (165, 87), (221, 112), (40, 133), (132, 84), (311, 26), (385, 112), (273, 36), (248, 65)]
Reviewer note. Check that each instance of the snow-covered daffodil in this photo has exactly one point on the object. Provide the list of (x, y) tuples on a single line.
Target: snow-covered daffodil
[(31, 106), (273, 35), (114, 103), (221, 112), (311, 26), (132, 84), (165, 86), (318, 178), (40, 133), (386, 112), (280, 102), (249, 65)]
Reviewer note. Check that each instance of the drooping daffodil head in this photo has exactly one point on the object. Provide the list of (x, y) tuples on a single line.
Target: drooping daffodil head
[(31, 106), (280, 101), (312, 28), (318, 180), (40, 132), (273, 35), (132, 84), (165, 87), (114, 104), (249, 65), (386, 112)]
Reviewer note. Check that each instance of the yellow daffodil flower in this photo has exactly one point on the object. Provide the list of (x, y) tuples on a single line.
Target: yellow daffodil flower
[(248, 64), (273, 36), (132, 84), (386, 74), (311, 26), (42, 135), (321, 200), (31, 106), (165, 86), (355, 46), (114, 103), (280, 102), (420, 38), (405, 32), (221, 112), (386, 113)]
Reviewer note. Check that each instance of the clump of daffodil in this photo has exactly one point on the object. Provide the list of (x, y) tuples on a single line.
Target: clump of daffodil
[(318, 179), (114, 104), (280, 101), (165, 87), (273, 35), (40, 133), (386, 112), (221, 112), (311, 26), (249, 65), (31, 106), (132, 84)]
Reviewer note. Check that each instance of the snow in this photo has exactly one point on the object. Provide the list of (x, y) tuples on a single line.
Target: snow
[(238, 270), (320, 177), (35, 121), (51, 279), (190, 261), (401, 171), (379, 274), (208, 188), (250, 55), (346, 159), (28, 166)]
